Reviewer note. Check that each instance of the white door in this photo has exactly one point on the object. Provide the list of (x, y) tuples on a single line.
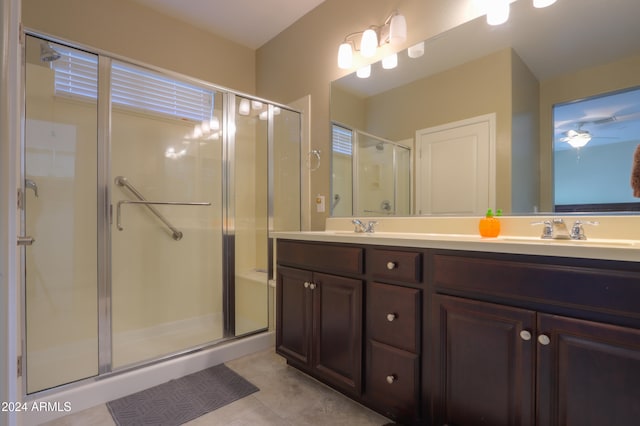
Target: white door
[(455, 169)]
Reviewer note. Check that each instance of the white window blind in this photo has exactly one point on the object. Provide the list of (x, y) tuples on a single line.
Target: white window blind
[(76, 75), (342, 139)]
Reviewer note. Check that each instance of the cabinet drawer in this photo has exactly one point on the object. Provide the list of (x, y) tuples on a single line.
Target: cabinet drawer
[(405, 266), (608, 291), (393, 378), (393, 315), (322, 257)]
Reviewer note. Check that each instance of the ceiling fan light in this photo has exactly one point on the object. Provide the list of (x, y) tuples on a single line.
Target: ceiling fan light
[(369, 43), (345, 56), (543, 3)]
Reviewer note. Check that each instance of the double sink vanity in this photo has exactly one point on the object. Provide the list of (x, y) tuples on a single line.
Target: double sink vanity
[(428, 323)]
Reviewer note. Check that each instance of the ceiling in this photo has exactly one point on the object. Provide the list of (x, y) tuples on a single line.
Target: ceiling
[(250, 23)]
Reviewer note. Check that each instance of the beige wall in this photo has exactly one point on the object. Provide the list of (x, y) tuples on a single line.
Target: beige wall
[(126, 28), (589, 82), (302, 59)]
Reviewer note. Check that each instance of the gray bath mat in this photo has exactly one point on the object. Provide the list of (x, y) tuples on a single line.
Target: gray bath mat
[(181, 400)]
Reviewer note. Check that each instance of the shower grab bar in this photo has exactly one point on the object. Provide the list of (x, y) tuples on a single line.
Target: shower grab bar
[(123, 181)]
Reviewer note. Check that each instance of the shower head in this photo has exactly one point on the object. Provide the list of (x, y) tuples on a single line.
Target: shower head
[(48, 53), (380, 146)]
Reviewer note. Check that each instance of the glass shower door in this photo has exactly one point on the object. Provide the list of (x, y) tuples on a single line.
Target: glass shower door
[(59, 201), (166, 165)]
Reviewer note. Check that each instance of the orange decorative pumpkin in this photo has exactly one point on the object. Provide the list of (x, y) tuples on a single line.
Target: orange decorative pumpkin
[(489, 226)]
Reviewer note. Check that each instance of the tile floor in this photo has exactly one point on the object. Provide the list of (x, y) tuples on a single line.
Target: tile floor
[(286, 398)]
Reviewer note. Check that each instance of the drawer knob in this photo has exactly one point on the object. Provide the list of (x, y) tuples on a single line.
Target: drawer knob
[(306, 284), (525, 335), (312, 286), (391, 317), (391, 378), (391, 265), (544, 339)]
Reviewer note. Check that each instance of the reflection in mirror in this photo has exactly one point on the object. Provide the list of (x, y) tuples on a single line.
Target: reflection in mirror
[(595, 140), (371, 175), (517, 71)]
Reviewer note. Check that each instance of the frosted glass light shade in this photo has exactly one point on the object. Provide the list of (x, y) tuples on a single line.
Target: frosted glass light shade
[(369, 43), (364, 72), (345, 56), (543, 3), (497, 12), (397, 29), (416, 50), (390, 62)]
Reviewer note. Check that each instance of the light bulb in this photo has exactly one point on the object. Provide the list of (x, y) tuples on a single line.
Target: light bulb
[(390, 62), (397, 29), (543, 3), (256, 105), (416, 50), (345, 56), (498, 12), (369, 43), (364, 72)]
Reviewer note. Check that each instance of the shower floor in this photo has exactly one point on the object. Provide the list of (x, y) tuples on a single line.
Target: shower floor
[(80, 358)]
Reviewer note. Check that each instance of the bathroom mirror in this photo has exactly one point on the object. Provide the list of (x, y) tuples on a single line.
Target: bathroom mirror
[(568, 52)]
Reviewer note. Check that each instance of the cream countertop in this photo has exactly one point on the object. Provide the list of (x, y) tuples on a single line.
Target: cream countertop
[(615, 238)]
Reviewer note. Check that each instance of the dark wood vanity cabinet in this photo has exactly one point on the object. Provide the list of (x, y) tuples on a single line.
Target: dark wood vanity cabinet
[(393, 333), (534, 342), (445, 337), (355, 328), (319, 316)]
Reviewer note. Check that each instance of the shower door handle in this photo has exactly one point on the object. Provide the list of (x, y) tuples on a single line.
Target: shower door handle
[(25, 240), (31, 185)]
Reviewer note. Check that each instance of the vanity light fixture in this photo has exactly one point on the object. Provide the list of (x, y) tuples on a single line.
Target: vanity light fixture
[(390, 62), (393, 31), (497, 11), (364, 72), (543, 3), (416, 51)]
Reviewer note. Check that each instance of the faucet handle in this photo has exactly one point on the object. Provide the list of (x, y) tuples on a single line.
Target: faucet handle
[(577, 232), (547, 231), (371, 226)]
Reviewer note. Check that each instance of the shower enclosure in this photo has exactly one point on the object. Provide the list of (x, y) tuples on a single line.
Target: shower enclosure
[(371, 176), (147, 204)]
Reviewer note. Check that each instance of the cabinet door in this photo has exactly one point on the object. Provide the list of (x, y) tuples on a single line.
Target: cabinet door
[(338, 330), (588, 373), (294, 314), (484, 365)]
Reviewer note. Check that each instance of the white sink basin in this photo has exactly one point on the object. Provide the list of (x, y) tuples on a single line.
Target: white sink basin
[(595, 242)]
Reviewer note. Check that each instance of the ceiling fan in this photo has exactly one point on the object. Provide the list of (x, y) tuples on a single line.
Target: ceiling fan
[(577, 138)]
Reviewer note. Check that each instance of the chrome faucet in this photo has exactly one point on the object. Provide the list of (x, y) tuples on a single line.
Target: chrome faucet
[(577, 232), (369, 227), (556, 229)]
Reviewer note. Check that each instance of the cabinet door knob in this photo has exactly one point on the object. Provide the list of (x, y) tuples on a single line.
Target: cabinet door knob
[(306, 284), (391, 378), (391, 317), (312, 286), (525, 335), (391, 265), (544, 339)]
